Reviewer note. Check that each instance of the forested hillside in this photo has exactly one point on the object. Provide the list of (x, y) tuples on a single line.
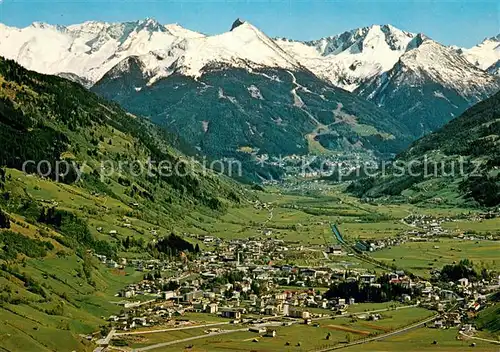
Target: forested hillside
[(53, 221), (458, 163), (233, 113)]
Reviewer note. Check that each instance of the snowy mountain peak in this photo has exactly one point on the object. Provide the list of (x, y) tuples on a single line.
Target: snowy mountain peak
[(89, 50), (485, 54), (430, 61), (350, 58), (89, 27), (416, 41), (117, 30), (493, 39), (238, 22), (43, 25), (364, 38), (150, 24), (394, 38), (179, 31), (244, 46)]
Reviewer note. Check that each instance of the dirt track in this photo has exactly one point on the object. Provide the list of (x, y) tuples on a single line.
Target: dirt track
[(347, 329)]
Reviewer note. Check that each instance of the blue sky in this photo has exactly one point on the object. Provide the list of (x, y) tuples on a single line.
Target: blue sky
[(463, 23)]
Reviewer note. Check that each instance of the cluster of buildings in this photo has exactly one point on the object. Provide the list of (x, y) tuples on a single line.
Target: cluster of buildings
[(430, 226), (243, 278), (233, 282)]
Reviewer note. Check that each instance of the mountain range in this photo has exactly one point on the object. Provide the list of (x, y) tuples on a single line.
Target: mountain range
[(241, 93), (421, 82), (231, 96)]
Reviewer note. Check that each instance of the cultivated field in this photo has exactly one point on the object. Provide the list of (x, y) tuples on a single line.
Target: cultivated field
[(423, 340)]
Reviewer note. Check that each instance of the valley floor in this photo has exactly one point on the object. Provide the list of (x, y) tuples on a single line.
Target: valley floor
[(406, 237)]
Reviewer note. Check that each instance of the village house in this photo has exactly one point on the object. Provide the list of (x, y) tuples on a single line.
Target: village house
[(230, 313)]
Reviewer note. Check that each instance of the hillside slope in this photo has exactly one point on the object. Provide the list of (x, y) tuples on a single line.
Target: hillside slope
[(429, 85), (48, 118), (52, 287), (458, 163), (488, 319)]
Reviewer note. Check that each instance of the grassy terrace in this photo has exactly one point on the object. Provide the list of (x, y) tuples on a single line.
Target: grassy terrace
[(422, 340), (310, 337), (421, 257), (28, 325)]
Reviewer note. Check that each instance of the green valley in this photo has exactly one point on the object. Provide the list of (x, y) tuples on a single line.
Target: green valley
[(115, 235)]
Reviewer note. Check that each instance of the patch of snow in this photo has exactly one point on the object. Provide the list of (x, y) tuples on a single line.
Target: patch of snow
[(204, 125), (438, 94), (297, 101), (250, 128), (221, 94), (255, 92)]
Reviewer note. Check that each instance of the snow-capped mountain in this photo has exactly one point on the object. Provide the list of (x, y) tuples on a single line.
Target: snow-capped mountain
[(244, 46), (351, 58), (239, 94), (484, 55), (494, 69), (87, 50), (421, 83), (91, 49), (429, 85)]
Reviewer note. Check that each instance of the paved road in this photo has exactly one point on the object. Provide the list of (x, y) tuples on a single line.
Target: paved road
[(107, 339), (164, 344)]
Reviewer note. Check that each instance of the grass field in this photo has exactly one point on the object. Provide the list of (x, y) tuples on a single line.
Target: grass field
[(481, 227), (301, 219), (136, 341), (365, 307), (310, 337), (422, 339), (421, 257)]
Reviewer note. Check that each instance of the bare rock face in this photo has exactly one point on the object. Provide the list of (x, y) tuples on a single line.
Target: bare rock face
[(237, 23)]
